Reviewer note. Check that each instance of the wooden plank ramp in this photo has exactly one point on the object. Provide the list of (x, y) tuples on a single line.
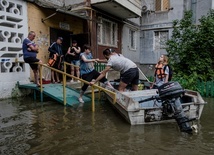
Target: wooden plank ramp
[(55, 91)]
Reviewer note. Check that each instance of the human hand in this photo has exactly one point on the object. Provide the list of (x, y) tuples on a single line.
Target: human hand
[(91, 83)]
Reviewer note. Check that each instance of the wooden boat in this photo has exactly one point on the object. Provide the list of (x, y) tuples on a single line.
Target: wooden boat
[(145, 106)]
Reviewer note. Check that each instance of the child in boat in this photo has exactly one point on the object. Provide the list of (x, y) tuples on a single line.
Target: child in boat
[(161, 75), (87, 70), (128, 70)]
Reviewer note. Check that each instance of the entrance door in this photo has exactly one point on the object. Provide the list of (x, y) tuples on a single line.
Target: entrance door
[(81, 39), (66, 35)]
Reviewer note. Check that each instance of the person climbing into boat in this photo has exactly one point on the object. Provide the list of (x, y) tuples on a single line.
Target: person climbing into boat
[(87, 70), (129, 73), (161, 75)]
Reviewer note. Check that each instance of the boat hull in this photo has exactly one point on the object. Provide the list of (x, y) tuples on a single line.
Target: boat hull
[(151, 112)]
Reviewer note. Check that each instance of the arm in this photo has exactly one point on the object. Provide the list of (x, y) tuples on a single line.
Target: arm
[(77, 50), (87, 60), (167, 74), (153, 82), (166, 78), (102, 61), (33, 48), (102, 75), (51, 49)]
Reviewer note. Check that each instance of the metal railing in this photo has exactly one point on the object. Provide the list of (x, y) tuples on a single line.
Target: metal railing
[(65, 75)]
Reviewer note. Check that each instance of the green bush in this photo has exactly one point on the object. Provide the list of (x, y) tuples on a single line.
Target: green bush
[(191, 50)]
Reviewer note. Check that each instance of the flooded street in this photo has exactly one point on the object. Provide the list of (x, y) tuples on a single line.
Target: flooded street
[(29, 127)]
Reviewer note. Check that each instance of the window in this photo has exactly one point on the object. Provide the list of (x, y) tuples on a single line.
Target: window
[(107, 32), (161, 5), (161, 37), (132, 39)]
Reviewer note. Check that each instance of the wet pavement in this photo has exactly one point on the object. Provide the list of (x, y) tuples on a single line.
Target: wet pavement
[(30, 127)]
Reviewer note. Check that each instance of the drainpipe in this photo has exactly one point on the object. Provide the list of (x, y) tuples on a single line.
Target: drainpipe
[(193, 8)]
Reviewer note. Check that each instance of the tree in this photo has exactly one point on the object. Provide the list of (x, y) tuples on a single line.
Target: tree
[(191, 49)]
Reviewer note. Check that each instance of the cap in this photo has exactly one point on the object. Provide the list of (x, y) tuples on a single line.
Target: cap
[(60, 38), (74, 41)]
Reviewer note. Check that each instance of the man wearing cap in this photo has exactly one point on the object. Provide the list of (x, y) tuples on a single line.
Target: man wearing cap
[(56, 48), (74, 53)]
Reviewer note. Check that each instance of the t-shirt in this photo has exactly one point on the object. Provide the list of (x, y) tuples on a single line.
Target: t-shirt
[(86, 67), (159, 81), (25, 45), (76, 56), (120, 63)]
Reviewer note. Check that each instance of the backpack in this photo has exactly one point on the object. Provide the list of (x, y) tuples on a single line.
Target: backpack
[(170, 72)]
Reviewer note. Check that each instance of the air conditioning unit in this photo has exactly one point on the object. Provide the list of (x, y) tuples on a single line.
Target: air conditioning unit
[(144, 9)]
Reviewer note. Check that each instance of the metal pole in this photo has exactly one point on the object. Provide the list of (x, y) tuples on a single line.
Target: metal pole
[(92, 97), (64, 89), (41, 87), (48, 17)]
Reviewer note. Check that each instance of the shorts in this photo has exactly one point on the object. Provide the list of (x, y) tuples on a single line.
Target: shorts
[(31, 61), (75, 62), (130, 76)]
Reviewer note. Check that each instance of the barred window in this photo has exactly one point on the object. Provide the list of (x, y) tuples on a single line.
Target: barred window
[(160, 39), (161, 5), (107, 32), (132, 39)]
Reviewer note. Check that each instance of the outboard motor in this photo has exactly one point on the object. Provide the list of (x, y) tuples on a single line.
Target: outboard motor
[(170, 94)]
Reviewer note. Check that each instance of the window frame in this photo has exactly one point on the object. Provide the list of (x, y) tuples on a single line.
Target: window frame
[(159, 37), (133, 36), (113, 30), (162, 6)]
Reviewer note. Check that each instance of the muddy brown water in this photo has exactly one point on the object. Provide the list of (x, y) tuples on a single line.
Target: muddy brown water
[(29, 127)]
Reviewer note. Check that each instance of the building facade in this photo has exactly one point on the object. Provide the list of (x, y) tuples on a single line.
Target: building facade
[(98, 23), (156, 26)]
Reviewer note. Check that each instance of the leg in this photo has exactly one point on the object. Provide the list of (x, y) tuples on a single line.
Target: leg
[(77, 68), (134, 87), (135, 80), (36, 79), (87, 77), (122, 86), (78, 72), (57, 77), (72, 72), (52, 76)]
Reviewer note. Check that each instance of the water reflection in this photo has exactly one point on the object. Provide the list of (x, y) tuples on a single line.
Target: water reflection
[(28, 127)]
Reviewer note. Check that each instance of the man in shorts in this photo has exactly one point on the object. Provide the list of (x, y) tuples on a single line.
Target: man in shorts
[(30, 50), (128, 70)]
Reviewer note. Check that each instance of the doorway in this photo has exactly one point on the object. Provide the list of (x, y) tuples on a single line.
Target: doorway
[(55, 33)]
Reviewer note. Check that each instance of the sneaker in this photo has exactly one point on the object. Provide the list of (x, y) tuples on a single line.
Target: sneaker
[(81, 100), (72, 80)]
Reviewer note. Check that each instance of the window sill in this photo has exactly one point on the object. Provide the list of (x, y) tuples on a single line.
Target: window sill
[(132, 49), (159, 12), (110, 45)]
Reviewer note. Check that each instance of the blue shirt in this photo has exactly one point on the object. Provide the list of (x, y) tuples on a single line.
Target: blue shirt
[(25, 45), (86, 67)]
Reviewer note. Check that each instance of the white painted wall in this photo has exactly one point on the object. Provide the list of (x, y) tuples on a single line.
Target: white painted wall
[(13, 29)]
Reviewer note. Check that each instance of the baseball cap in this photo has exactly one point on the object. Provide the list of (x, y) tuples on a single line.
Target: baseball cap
[(60, 38)]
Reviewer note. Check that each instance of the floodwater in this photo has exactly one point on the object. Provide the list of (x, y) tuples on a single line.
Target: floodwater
[(30, 127)]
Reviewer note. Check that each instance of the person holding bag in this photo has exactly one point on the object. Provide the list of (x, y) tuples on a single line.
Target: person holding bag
[(56, 55)]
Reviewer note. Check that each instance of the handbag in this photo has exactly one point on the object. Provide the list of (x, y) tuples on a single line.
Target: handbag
[(52, 60)]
